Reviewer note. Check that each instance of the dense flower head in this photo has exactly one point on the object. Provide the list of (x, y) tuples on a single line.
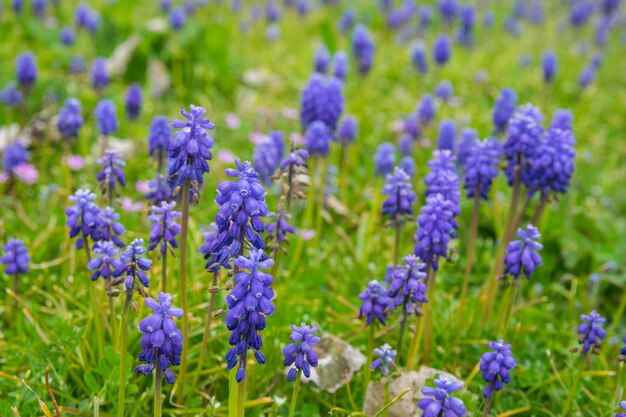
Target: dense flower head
[(87, 18), (442, 402), (481, 167), (14, 155), (376, 304), (524, 135), (70, 119), (161, 341), (522, 256), (407, 288), (321, 59), (400, 195), (322, 100), (552, 168), (419, 57), (467, 140), (15, 257), (405, 145), (444, 90), (449, 9), (295, 158), (622, 405), (83, 217), (442, 50), (425, 17), (411, 126), (385, 158), (134, 99), (496, 366), (402, 15), (549, 65), (109, 227), (99, 74), (208, 237), (267, 156), (177, 18), (300, 353), (17, 6), (437, 226), (26, 70), (67, 36), (504, 108), (340, 65), (190, 149), (580, 12), (104, 262), (278, 229), (442, 177), (249, 303), (427, 109), (11, 95), (134, 265), (363, 49), (408, 165), (563, 119), (587, 76), (112, 171), (164, 227), (106, 116), (318, 138), (159, 137), (348, 130), (346, 21), (239, 219), (77, 65), (386, 360), (447, 134), (591, 332), (465, 36), (159, 189)]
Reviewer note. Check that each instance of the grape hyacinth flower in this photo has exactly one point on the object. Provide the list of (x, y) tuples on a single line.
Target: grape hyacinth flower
[(587, 77), (442, 50), (444, 90), (111, 174), (159, 139), (411, 126), (591, 332), (407, 164), (70, 119), (467, 140), (159, 190), (419, 57), (177, 18), (580, 12), (426, 109), (481, 168), (442, 402), (322, 100), (549, 64), (134, 99), (164, 228), (347, 131), (386, 360), (465, 35), (363, 49), (109, 228), (300, 353), (99, 74), (340, 65), (552, 168), (407, 288), (522, 256), (11, 95), (346, 21), (447, 135), (249, 303), (83, 217), (106, 117), (318, 139), (504, 108), (496, 366), (376, 304), (67, 36), (400, 194), (385, 158), (437, 226), (405, 145), (442, 178), (622, 405), (267, 156), (105, 261), (321, 60), (26, 70), (161, 341), (14, 155), (190, 149), (17, 6), (562, 120), (449, 9), (15, 258), (277, 230), (134, 266), (524, 135)]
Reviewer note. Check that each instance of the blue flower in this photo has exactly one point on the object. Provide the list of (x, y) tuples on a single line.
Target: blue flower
[(67, 36), (322, 100), (159, 189), (419, 57), (363, 49), (504, 108), (442, 402), (300, 353), (106, 117), (99, 74), (109, 229), (11, 95), (278, 229), (449, 9), (386, 360), (407, 288), (400, 194), (522, 256), (447, 134), (134, 265), (70, 119), (443, 178), (552, 168), (385, 158), (467, 140), (444, 90), (346, 21), (15, 257), (159, 138), (318, 139), (376, 304), (83, 217), (524, 135), (26, 70), (177, 18), (134, 99), (348, 130), (437, 226), (549, 64), (164, 227), (407, 164), (481, 167), (267, 156), (465, 36), (105, 261), (496, 366), (340, 65), (442, 50), (14, 155), (111, 172), (427, 109), (591, 332), (321, 60)]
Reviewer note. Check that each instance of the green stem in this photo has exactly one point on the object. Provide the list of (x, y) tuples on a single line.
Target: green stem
[(158, 400), (572, 393), (164, 271), (618, 389), (522, 213), (183, 288), (97, 320), (96, 407), (16, 288), (402, 330), (241, 388), (396, 243), (428, 316), (487, 406), (471, 248), (386, 401), (294, 395), (506, 317), (370, 353), (536, 219), (206, 337), (123, 345)]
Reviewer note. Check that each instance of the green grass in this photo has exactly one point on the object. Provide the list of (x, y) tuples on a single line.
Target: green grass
[(210, 62)]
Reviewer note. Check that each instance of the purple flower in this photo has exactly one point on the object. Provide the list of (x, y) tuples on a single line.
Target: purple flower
[(83, 217), (622, 405), (407, 288), (99, 74), (524, 135), (562, 120), (348, 130), (442, 50), (164, 227), (405, 145), (591, 332), (109, 228), (77, 65), (465, 36), (209, 237), (346, 21), (111, 172), (322, 100), (26, 70), (425, 17), (70, 119), (17, 6), (411, 126), (426, 109), (386, 360), (105, 261), (278, 229), (340, 65), (447, 135), (161, 341), (587, 76), (239, 219), (296, 158), (376, 304), (442, 403), (300, 353), (504, 108), (437, 226), (134, 265), (400, 194), (443, 178), (86, 18), (580, 12), (496, 366), (67, 36), (15, 257), (159, 138), (419, 58), (177, 18), (444, 90), (481, 167), (549, 64), (159, 190), (467, 140), (318, 139), (191, 148), (385, 158), (272, 12), (363, 49), (249, 303), (449, 9), (14, 155), (522, 256), (321, 60), (11, 95), (106, 117), (407, 164), (267, 156), (551, 170), (133, 101)]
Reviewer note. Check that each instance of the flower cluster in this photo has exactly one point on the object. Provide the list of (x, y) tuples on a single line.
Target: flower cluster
[(549, 66), (318, 138), (134, 265), (347, 131), (321, 60), (268, 154), (11, 95), (159, 189), (83, 217), (496, 366), (300, 353), (467, 141), (106, 117), (164, 227), (99, 74), (418, 57), (447, 134), (26, 70), (363, 49), (111, 172), (15, 257), (340, 65), (504, 108), (524, 135), (481, 167), (386, 360), (385, 158), (442, 50), (522, 256), (161, 341), (134, 99), (277, 230), (407, 288), (591, 332), (105, 262), (552, 168), (400, 195), (249, 303), (442, 403), (159, 138), (426, 110), (109, 228), (322, 100), (443, 178), (376, 304), (437, 226), (70, 119), (14, 155)]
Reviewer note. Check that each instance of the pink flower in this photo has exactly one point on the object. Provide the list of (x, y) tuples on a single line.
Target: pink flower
[(232, 121), (26, 173), (256, 137), (3, 177), (297, 138), (397, 126), (307, 234), (225, 156), (143, 187), (75, 162), (130, 205), (290, 113)]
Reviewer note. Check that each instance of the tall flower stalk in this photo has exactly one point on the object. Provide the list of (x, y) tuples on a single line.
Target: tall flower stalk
[(301, 355), (398, 204)]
